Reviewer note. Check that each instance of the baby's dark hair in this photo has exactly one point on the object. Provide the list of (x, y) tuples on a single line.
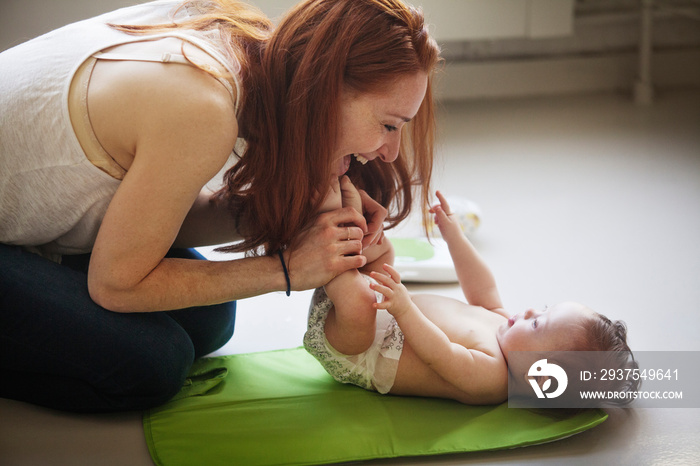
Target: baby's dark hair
[(599, 346), (602, 345), (605, 335)]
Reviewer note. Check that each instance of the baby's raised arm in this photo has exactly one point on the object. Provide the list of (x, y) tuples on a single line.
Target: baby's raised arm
[(477, 282)]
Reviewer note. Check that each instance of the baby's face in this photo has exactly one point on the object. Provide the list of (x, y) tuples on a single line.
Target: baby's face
[(550, 329)]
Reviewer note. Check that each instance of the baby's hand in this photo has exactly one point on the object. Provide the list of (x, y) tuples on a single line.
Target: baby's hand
[(445, 220), (397, 300), (333, 199), (350, 194)]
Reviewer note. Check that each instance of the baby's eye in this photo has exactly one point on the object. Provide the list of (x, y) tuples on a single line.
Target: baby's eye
[(534, 323), (390, 128)]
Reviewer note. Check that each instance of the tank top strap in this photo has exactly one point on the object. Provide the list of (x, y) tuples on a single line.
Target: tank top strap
[(165, 57)]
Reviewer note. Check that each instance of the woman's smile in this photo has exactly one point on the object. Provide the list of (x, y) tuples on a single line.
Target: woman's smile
[(371, 123)]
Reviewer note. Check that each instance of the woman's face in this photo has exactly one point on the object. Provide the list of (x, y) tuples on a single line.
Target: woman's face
[(371, 123)]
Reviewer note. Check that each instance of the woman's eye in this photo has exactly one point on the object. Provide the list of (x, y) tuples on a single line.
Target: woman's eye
[(390, 128)]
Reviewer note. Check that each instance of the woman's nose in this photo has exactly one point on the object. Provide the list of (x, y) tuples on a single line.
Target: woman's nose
[(390, 150)]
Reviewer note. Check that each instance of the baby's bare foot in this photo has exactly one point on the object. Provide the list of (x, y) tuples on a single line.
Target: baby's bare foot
[(333, 199), (350, 195)]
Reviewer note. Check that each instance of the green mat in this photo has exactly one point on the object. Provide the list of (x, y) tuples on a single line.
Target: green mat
[(280, 407)]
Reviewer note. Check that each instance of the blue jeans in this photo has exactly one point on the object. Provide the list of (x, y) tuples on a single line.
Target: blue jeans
[(61, 350)]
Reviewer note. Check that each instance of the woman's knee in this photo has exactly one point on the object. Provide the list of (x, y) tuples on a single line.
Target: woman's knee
[(226, 326), (209, 327), (150, 372)]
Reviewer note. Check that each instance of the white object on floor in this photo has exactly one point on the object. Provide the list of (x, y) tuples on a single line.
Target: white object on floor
[(420, 260), (417, 260), (468, 216)]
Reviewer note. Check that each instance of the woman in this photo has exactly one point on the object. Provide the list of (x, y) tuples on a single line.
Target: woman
[(113, 126)]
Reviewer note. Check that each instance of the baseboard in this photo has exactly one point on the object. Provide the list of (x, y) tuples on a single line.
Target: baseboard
[(569, 75)]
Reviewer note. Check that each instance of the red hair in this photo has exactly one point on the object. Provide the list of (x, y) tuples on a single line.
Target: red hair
[(242, 29), (289, 115)]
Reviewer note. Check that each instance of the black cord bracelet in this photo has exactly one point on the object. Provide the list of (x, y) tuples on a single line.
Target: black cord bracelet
[(286, 274)]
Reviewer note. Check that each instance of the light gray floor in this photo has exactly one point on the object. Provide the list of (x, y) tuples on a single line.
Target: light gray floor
[(585, 198)]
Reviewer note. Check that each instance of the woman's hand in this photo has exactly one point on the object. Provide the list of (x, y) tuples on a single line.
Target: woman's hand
[(343, 193), (329, 247), (334, 243)]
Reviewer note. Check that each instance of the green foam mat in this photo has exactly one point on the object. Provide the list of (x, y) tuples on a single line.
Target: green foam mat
[(281, 407)]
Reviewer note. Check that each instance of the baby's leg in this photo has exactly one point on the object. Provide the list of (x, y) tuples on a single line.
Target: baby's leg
[(350, 325), (333, 199)]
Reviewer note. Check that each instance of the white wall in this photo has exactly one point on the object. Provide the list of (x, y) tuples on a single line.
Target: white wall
[(449, 19), (21, 20), (497, 48), (479, 19)]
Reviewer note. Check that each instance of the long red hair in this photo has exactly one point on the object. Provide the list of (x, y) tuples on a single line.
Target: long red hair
[(292, 80), (291, 123)]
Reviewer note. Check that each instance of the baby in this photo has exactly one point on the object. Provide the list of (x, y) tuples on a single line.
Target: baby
[(367, 330)]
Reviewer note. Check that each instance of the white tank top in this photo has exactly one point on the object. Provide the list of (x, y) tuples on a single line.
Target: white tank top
[(52, 198)]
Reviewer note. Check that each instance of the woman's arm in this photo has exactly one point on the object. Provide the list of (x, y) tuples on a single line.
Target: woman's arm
[(180, 126)]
